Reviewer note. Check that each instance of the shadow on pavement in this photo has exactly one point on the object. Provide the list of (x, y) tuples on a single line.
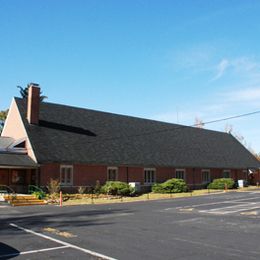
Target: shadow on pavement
[(7, 252), (62, 219)]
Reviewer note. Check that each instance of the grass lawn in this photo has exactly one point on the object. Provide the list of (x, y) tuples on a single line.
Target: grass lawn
[(79, 199)]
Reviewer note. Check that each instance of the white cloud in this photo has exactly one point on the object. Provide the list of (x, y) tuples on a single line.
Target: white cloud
[(243, 95), (221, 68), (234, 89), (194, 59), (241, 67)]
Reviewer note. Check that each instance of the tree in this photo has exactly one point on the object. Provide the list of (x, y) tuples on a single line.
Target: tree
[(228, 128), (198, 122), (24, 93), (3, 115)]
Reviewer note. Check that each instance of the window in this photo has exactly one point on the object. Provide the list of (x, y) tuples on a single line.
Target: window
[(180, 174), (149, 176), (112, 173), (66, 174), (226, 174), (205, 176)]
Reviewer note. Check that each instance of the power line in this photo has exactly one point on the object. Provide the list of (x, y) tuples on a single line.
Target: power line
[(228, 118), (176, 127)]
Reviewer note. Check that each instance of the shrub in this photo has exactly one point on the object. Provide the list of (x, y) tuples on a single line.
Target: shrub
[(117, 188), (82, 189), (53, 186), (170, 186), (220, 184), (97, 188), (39, 194)]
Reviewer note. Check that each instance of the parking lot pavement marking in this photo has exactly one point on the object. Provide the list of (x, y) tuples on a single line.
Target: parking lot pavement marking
[(211, 203), (32, 252), (228, 251), (59, 233), (220, 202), (249, 213), (232, 209), (187, 220), (90, 252), (186, 209)]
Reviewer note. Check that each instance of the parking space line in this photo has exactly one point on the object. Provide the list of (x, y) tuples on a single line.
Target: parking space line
[(90, 252), (232, 209), (211, 203), (33, 251), (228, 212), (228, 201), (216, 203)]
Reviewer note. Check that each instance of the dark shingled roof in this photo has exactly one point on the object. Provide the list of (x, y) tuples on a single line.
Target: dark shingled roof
[(16, 160), (124, 140)]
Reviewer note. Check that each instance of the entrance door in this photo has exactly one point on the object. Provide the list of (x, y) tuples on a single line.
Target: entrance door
[(3, 177)]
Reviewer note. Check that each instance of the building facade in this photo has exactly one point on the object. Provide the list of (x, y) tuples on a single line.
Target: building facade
[(79, 147)]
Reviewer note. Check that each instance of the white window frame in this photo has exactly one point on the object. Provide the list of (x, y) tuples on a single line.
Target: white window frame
[(227, 171), (150, 180), (114, 169), (203, 171), (65, 182), (180, 170)]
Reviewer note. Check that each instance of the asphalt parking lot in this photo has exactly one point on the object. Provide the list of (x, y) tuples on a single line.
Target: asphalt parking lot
[(223, 226)]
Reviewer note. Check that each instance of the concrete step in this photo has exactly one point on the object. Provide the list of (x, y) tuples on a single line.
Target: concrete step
[(28, 204), (23, 200), (9, 197)]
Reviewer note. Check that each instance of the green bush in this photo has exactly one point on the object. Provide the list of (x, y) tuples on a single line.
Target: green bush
[(39, 194), (97, 188), (220, 184), (117, 188), (170, 186)]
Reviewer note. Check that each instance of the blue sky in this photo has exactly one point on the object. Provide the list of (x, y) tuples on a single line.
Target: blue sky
[(165, 60)]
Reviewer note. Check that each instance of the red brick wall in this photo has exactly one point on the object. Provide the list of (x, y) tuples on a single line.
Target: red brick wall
[(122, 174), (48, 171), (164, 174), (87, 175), (189, 176), (136, 174), (33, 105)]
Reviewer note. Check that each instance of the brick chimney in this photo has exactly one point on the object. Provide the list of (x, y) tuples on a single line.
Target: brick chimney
[(33, 104)]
